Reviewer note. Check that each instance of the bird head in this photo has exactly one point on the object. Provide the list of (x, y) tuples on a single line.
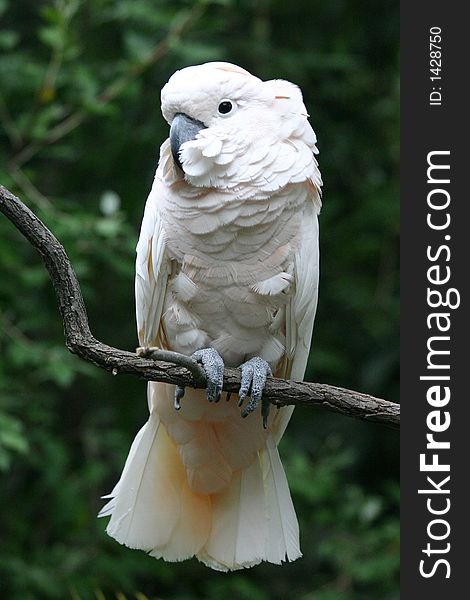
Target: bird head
[(229, 128)]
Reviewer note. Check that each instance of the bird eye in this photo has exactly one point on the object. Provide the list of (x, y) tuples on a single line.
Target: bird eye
[(226, 107)]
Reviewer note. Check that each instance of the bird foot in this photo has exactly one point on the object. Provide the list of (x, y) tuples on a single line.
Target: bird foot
[(254, 374), (213, 366)]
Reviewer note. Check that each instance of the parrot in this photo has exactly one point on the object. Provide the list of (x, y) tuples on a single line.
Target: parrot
[(227, 272)]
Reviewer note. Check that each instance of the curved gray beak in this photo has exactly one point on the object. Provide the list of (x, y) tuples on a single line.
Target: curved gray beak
[(183, 129)]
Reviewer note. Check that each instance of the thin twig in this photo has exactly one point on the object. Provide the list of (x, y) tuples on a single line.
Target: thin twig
[(28, 188), (13, 133), (80, 340)]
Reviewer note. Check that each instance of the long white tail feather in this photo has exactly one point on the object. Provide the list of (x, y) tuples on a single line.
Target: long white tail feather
[(191, 530), (155, 506), (238, 533), (146, 506), (108, 509), (283, 540)]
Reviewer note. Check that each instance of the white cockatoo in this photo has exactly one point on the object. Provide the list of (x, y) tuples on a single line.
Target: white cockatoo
[(226, 272)]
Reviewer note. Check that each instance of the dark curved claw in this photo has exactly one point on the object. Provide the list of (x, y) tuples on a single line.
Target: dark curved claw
[(179, 393), (254, 374), (213, 366)]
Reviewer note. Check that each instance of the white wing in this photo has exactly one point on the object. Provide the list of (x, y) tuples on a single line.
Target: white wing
[(303, 305), (300, 311), (152, 270)]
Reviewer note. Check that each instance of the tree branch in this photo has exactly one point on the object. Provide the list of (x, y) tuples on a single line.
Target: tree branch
[(184, 371)]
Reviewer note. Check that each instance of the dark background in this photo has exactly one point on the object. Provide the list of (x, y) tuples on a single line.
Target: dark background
[(80, 134)]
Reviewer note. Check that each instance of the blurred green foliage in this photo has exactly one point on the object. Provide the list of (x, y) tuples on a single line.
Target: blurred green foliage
[(80, 134)]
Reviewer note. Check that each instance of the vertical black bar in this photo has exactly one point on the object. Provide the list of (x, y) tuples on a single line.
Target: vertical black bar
[(435, 233)]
